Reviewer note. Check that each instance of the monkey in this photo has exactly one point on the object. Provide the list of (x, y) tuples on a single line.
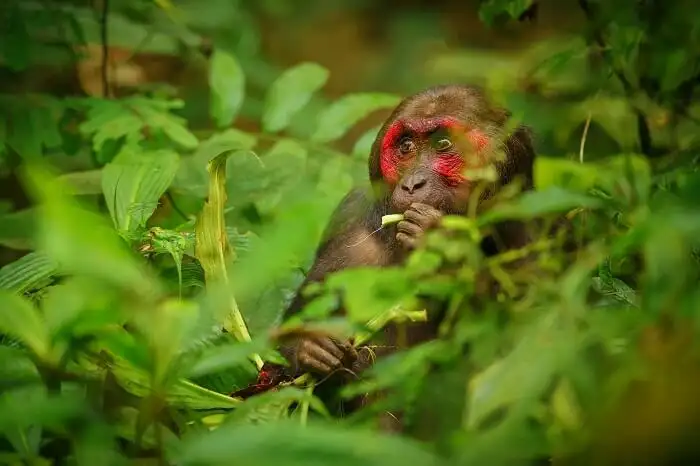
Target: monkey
[(416, 167)]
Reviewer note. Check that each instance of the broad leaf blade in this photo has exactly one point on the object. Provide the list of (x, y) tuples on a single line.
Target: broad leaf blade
[(227, 83), (27, 272), (313, 445), (19, 318), (213, 250), (81, 241), (290, 92), (340, 116), (133, 183)]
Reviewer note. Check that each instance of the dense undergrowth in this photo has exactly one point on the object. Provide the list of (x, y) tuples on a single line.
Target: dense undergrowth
[(153, 279)]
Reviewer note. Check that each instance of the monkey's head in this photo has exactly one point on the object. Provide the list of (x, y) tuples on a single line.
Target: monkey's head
[(439, 144)]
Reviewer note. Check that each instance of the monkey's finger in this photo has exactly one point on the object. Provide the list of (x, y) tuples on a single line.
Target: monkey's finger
[(425, 209), (407, 241), (425, 219), (319, 353), (331, 346), (409, 228), (309, 363), (349, 352)]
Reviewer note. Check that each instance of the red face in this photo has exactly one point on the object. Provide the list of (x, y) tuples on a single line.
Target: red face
[(443, 144)]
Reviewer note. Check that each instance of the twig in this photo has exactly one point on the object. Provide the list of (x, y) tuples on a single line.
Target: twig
[(584, 136)]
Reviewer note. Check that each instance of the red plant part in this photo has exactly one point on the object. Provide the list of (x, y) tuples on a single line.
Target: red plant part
[(269, 377)]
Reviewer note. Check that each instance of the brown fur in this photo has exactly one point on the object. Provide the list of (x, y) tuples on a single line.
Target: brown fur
[(346, 244)]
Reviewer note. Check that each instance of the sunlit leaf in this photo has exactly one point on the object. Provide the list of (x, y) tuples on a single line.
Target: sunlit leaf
[(81, 241), (19, 318), (285, 162), (534, 203), (133, 183), (345, 112), (216, 358), (213, 250), (227, 83), (313, 445), (290, 92), (27, 272), (363, 146)]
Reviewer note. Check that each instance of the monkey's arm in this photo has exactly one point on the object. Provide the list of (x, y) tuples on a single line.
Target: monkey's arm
[(348, 242)]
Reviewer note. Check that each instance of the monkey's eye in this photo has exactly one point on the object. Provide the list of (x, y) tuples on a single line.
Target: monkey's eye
[(406, 146), (443, 144)]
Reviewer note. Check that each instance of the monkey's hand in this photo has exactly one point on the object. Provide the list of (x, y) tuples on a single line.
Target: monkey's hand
[(418, 219), (322, 355)]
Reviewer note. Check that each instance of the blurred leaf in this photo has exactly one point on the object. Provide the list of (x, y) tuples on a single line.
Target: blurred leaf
[(217, 358), (84, 182), (266, 444), (290, 92), (27, 272), (181, 394), (227, 83), (80, 306), (133, 184), (490, 9), (363, 146), (193, 178), (81, 241), (534, 203), (274, 405), (345, 112), (369, 292), (19, 318), (285, 162), (520, 378)]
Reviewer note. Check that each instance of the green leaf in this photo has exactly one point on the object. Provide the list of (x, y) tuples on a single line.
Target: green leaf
[(17, 229), (363, 146), (274, 405), (285, 163), (515, 380), (19, 318), (181, 394), (535, 203), (192, 177), (218, 358), (213, 250), (342, 114), (490, 9), (290, 92), (27, 272), (133, 183), (81, 241), (269, 444), (227, 83)]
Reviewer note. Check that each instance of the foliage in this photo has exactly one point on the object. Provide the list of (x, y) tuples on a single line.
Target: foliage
[(154, 275)]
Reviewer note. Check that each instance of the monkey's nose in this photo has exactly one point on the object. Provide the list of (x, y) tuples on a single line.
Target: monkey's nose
[(413, 183)]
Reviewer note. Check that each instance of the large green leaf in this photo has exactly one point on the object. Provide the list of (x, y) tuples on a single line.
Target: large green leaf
[(80, 240), (227, 83), (19, 318), (134, 182), (536, 203), (27, 272), (290, 92), (284, 163), (213, 250), (287, 443), (342, 114)]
